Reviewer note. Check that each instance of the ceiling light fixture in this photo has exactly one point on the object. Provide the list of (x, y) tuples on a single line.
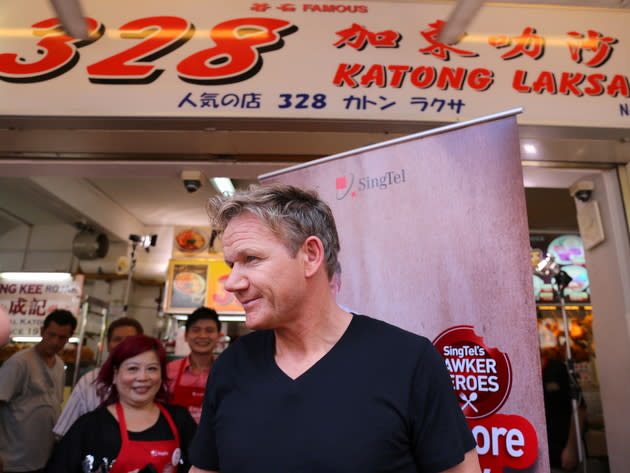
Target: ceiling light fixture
[(33, 277), (530, 149), (39, 339), (223, 185)]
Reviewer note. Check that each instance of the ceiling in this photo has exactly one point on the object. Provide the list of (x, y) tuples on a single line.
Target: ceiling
[(119, 174), (162, 200)]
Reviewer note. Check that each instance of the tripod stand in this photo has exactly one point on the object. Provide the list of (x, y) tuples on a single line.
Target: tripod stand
[(546, 268), (562, 281)]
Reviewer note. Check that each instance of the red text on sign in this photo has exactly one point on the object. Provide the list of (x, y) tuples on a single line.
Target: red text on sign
[(162, 34), (58, 53), (567, 83), (422, 77), (237, 54), (504, 441)]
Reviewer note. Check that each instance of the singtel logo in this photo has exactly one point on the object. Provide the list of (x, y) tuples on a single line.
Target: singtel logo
[(345, 185)]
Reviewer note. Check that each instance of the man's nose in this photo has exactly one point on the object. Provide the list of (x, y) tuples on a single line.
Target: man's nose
[(236, 280)]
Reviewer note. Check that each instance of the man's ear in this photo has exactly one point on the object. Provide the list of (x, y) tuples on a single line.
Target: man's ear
[(313, 254)]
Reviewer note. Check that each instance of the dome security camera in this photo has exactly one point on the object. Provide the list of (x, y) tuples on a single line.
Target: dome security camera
[(192, 180), (582, 190)]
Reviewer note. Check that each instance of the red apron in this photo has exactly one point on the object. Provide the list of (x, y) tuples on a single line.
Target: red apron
[(191, 397), (164, 455)]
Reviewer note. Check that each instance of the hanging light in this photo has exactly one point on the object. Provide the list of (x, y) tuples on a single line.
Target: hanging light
[(223, 185)]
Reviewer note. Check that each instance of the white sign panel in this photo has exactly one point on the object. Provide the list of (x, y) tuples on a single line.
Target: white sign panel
[(29, 302), (316, 60)]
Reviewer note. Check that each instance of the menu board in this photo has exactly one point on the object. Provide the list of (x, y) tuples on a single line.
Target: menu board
[(193, 283), (188, 285)]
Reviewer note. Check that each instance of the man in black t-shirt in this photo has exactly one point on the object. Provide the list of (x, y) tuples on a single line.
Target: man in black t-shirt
[(314, 388), (561, 438)]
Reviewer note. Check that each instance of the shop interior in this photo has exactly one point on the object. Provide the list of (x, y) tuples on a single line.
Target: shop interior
[(167, 210), (122, 177)]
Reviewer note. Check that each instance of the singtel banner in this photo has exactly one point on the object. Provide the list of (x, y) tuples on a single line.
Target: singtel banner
[(434, 239)]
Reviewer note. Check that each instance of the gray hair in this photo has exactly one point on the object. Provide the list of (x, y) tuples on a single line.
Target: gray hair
[(292, 213)]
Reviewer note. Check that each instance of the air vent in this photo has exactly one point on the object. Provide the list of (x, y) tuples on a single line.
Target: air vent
[(88, 244)]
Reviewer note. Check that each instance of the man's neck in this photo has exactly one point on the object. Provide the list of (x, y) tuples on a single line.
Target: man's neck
[(200, 362), (300, 346), (48, 359)]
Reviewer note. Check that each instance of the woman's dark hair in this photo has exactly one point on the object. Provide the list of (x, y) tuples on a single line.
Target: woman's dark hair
[(128, 348)]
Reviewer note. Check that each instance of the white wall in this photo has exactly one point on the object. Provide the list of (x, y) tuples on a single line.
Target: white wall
[(49, 248), (610, 284), (37, 248)]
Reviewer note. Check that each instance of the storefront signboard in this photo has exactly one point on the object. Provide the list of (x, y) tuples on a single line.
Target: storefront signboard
[(316, 60)]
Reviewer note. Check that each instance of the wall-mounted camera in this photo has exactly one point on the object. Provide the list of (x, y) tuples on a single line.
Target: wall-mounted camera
[(582, 190), (192, 180)]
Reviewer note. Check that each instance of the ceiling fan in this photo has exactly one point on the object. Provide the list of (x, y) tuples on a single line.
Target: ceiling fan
[(71, 16)]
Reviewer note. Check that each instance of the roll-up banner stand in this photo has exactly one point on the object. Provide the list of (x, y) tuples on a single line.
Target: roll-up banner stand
[(434, 239)]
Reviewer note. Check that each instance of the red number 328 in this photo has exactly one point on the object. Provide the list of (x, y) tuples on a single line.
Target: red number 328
[(235, 57)]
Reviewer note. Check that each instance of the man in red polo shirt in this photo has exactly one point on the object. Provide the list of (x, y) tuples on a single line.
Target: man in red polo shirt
[(188, 376)]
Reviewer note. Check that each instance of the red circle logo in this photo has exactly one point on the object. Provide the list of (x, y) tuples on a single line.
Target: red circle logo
[(481, 376)]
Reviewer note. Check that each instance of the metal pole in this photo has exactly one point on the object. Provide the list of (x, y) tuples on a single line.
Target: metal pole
[(573, 383), (101, 335), (77, 360), (129, 276)]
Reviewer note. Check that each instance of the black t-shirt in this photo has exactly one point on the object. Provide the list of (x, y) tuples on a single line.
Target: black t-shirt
[(93, 441), (380, 400)]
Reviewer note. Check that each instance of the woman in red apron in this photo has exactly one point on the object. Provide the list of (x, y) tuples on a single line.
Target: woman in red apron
[(189, 375), (133, 430), (162, 455)]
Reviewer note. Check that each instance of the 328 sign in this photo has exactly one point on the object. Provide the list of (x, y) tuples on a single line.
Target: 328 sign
[(235, 56)]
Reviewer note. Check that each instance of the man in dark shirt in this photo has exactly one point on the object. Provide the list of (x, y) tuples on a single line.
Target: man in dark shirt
[(308, 390), (561, 433)]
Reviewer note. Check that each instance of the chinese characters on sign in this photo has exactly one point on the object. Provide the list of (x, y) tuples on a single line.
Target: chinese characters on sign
[(28, 303), (529, 44)]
